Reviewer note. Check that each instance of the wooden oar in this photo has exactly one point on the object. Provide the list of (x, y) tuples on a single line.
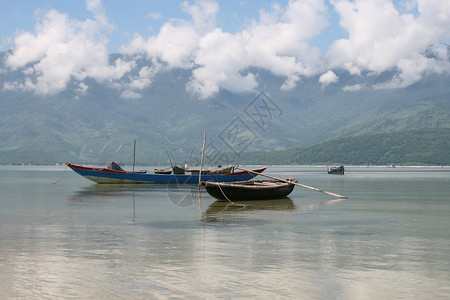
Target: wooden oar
[(299, 184)]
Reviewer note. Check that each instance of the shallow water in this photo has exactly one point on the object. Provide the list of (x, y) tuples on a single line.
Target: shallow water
[(77, 239)]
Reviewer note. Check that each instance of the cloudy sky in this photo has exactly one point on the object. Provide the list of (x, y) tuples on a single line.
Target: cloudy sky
[(54, 42)]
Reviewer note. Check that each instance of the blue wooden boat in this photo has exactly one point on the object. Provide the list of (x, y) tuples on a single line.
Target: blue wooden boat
[(336, 170), (115, 174)]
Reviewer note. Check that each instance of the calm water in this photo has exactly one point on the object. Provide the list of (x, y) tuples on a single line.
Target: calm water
[(389, 240)]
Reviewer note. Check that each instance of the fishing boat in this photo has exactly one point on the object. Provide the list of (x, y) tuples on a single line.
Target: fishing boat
[(115, 174), (163, 171), (178, 170), (336, 170), (186, 170), (250, 190), (221, 170)]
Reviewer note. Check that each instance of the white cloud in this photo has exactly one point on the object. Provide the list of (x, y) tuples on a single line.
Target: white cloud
[(155, 16), (277, 42), (177, 39), (203, 14), (174, 45), (220, 59), (97, 9), (381, 38), (290, 83), (129, 94), (144, 78), (328, 78), (63, 49), (82, 89), (352, 88)]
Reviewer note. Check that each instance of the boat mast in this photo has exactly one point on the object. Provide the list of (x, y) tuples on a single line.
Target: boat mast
[(201, 161), (170, 160), (134, 154)]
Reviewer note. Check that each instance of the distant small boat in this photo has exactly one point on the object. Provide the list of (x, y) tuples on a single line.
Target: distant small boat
[(163, 171), (115, 174), (250, 190), (336, 170)]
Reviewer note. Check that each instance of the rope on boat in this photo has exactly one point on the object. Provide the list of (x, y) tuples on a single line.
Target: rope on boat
[(61, 175), (218, 184), (240, 204)]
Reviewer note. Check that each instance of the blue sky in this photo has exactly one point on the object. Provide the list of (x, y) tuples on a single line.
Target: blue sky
[(144, 17), (221, 40)]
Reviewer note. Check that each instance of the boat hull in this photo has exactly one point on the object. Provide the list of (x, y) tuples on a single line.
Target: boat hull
[(337, 171), (249, 190), (108, 176)]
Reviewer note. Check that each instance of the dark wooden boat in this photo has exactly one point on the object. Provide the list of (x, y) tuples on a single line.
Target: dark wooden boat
[(249, 190), (336, 170)]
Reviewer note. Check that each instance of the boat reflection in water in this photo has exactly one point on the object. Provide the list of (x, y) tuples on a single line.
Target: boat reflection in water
[(96, 192), (186, 200), (224, 211), (220, 210)]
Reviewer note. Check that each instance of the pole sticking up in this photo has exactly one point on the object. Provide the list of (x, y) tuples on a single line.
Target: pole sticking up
[(170, 160), (134, 154), (201, 161), (190, 156), (299, 184)]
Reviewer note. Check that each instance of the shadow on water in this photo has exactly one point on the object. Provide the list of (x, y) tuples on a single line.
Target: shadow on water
[(218, 210), (168, 204), (113, 190), (273, 204), (175, 192), (186, 197)]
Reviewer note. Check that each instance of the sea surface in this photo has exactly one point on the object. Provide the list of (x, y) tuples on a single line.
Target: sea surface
[(389, 239)]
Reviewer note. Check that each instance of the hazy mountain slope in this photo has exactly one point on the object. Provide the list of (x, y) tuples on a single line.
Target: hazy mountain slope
[(420, 146), (100, 126)]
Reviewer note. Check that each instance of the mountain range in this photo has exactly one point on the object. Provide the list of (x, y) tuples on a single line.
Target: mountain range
[(168, 122), (429, 146)]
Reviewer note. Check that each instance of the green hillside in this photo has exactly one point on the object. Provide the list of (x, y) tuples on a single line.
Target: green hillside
[(99, 126), (415, 147)]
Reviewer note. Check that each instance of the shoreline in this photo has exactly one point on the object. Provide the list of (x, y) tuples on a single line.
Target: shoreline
[(59, 166)]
